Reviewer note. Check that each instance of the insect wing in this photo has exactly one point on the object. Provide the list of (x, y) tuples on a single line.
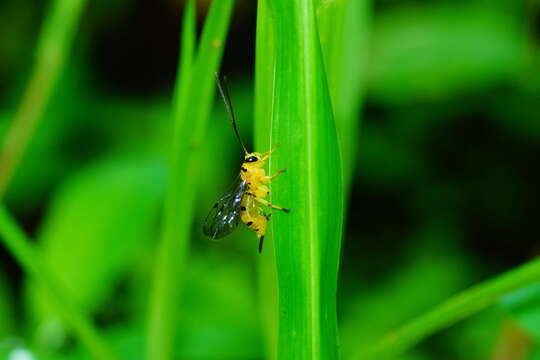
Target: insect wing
[(225, 215)]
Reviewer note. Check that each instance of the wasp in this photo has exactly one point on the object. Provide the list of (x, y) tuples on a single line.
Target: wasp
[(244, 199)]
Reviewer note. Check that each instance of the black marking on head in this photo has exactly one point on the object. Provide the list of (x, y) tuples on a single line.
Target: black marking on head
[(249, 223), (243, 169), (256, 230), (242, 208), (251, 159), (261, 243), (287, 210)]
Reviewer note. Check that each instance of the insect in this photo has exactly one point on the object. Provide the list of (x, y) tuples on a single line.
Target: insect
[(243, 201)]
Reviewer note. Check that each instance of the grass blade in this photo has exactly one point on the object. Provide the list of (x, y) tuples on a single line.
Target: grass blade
[(455, 309), (193, 100), (308, 239), (185, 62), (30, 261), (264, 92), (343, 29), (54, 42), (331, 16)]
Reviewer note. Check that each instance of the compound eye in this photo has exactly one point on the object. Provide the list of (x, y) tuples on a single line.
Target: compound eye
[(251, 159)]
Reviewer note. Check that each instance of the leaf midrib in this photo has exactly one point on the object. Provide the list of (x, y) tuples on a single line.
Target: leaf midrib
[(311, 189)]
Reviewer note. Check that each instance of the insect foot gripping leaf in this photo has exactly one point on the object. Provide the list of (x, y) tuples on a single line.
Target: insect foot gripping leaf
[(243, 202)]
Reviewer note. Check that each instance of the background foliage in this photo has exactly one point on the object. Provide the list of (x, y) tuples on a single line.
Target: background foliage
[(444, 193)]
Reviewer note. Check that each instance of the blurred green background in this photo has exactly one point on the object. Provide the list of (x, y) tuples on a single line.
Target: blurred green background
[(445, 193)]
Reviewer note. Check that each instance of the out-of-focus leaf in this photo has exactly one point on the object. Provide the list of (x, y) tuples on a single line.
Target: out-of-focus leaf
[(405, 161), (534, 354), (193, 98), (434, 52), (43, 161), (15, 21), (222, 321), (217, 318), (476, 337), (95, 225), (6, 309), (432, 266), (79, 125), (524, 306), (519, 113), (343, 31)]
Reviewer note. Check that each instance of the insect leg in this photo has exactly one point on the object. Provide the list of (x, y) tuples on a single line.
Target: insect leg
[(270, 177), (267, 203), (261, 230), (261, 240)]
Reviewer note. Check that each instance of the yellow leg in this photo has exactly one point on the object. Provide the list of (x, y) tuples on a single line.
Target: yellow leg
[(267, 203), (270, 177)]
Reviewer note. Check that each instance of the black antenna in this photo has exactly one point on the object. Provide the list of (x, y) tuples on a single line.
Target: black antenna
[(224, 91)]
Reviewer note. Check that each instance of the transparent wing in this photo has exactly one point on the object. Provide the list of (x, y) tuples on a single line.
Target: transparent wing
[(225, 215)]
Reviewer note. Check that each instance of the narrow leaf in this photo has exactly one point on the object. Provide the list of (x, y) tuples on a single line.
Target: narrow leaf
[(264, 92), (56, 36), (453, 310), (193, 100), (32, 263), (308, 239)]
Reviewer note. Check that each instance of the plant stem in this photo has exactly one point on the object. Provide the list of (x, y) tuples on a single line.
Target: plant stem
[(455, 309), (193, 100), (28, 258), (55, 40), (172, 252)]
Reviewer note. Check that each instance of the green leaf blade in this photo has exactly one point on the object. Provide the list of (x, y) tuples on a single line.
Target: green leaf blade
[(193, 101), (523, 305), (56, 37), (32, 263), (456, 308), (264, 90), (308, 239)]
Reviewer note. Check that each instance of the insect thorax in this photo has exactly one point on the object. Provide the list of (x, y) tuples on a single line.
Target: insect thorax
[(251, 173)]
